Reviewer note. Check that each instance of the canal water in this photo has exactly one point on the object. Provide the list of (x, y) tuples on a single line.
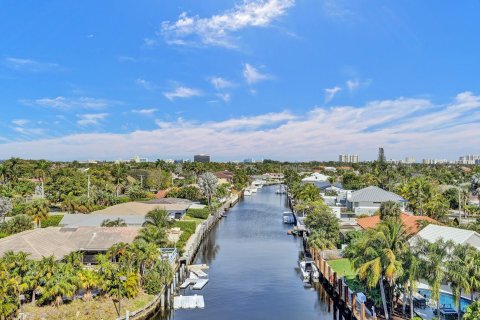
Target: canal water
[(254, 266)]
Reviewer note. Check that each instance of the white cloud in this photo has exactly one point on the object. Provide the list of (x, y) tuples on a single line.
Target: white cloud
[(217, 29), (225, 97), (145, 84), (20, 122), (354, 84), (182, 92), (70, 103), (330, 93), (29, 64), (91, 118), (220, 83), (403, 126), (252, 75), (145, 112)]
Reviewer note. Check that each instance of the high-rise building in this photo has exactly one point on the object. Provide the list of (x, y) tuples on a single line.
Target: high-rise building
[(469, 159), (348, 158), (381, 155), (409, 160), (201, 158)]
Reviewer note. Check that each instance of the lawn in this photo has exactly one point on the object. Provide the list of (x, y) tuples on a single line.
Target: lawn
[(343, 267), (102, 308)]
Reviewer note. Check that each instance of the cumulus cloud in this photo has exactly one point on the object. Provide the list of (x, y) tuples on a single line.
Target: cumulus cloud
[(403, 126), (217, 29), (330, 93), (182, 92), (91, 118), (70, 103), (253, 75), (225, 97)]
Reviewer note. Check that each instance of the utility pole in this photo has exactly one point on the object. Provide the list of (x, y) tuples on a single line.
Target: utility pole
[(459, 205), (88, 186), (43, 186)]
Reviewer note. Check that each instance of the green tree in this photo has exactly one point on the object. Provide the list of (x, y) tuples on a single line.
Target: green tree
[(119, 174), (458, 272), (473, 311), (376, 255), (114, 223), (320, 219), (308, 193), (38, 210), (208, 184), (390, 210), (433, 256)]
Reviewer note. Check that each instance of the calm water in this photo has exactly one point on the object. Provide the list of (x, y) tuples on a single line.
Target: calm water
[(254, 267)]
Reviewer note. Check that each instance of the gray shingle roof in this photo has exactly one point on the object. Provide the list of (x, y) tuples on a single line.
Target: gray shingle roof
[(374, 194), (59, 242)]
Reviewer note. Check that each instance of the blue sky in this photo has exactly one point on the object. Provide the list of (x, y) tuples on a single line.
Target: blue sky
[(283, 79)]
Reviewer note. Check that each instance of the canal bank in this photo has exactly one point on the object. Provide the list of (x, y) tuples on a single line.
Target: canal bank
[(253, 264)]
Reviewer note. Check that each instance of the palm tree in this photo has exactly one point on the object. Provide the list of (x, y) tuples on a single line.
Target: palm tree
[(458, 273), (158, 218), (88, 279), (319, 242), (119, 174), (390, 210), (146, 254), (38, 209), (411, 268), (154, 235), (9, 289), (433, 256), (475, 186), (308, 193), (376, 256), (42, 167), (119, 222), (69, 202)]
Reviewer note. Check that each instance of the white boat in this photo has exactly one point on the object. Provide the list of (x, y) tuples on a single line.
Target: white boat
[(309, 271), (247, 192), (281, 190), (288, 218)]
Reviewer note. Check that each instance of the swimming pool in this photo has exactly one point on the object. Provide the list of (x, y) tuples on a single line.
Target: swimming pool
[(447, 299)]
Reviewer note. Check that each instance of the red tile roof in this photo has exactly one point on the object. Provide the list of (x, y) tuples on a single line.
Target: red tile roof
[(411, 223)]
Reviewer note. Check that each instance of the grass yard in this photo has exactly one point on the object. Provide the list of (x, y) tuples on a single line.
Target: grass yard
[(103, 308), (343, 267)]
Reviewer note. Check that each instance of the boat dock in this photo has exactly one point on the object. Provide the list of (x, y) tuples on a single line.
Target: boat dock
[(188, 302)]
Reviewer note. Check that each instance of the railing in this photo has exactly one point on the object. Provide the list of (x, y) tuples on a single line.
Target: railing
[(169, 253)]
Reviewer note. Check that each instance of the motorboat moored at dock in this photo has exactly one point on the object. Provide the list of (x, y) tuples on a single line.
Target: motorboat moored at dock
[(309, 271)]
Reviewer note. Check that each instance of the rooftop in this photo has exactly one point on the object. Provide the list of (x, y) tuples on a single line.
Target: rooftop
[(433, 233), (374, 194), (410, 222), (141, 208), (61, 241)]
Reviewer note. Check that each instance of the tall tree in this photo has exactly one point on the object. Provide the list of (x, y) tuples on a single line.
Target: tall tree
[(38, 209), (208, 183)]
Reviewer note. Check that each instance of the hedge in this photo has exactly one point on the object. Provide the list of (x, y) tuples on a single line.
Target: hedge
[(198, 213), (52, 221), (188, 228)]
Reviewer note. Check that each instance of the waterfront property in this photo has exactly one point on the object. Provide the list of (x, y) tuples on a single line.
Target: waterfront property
[(368, 200), (133, 213), (61, 241), (411, 223), (433, 232)]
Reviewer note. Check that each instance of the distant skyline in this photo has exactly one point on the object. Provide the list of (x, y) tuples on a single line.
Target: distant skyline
[(274, 79)]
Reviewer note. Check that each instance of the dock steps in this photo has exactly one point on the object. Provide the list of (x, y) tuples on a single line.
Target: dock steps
[(188, 302)]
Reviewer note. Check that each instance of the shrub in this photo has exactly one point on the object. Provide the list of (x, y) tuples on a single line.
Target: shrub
[(152, 282), (17, 224), (188, 228), (52, 221), (198, 213)]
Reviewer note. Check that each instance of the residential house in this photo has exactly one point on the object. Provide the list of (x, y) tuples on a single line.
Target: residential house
[(61, 241), (434, 232), (369, 199), (411, 223)]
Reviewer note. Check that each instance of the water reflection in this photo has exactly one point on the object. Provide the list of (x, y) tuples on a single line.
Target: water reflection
[(254, 271)]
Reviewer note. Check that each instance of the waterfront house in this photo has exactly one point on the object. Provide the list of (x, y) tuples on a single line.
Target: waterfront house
[(133, 213), (61, 241), (434, 232), (411, 223), (224, 176), (368, 200), (315, 177)]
